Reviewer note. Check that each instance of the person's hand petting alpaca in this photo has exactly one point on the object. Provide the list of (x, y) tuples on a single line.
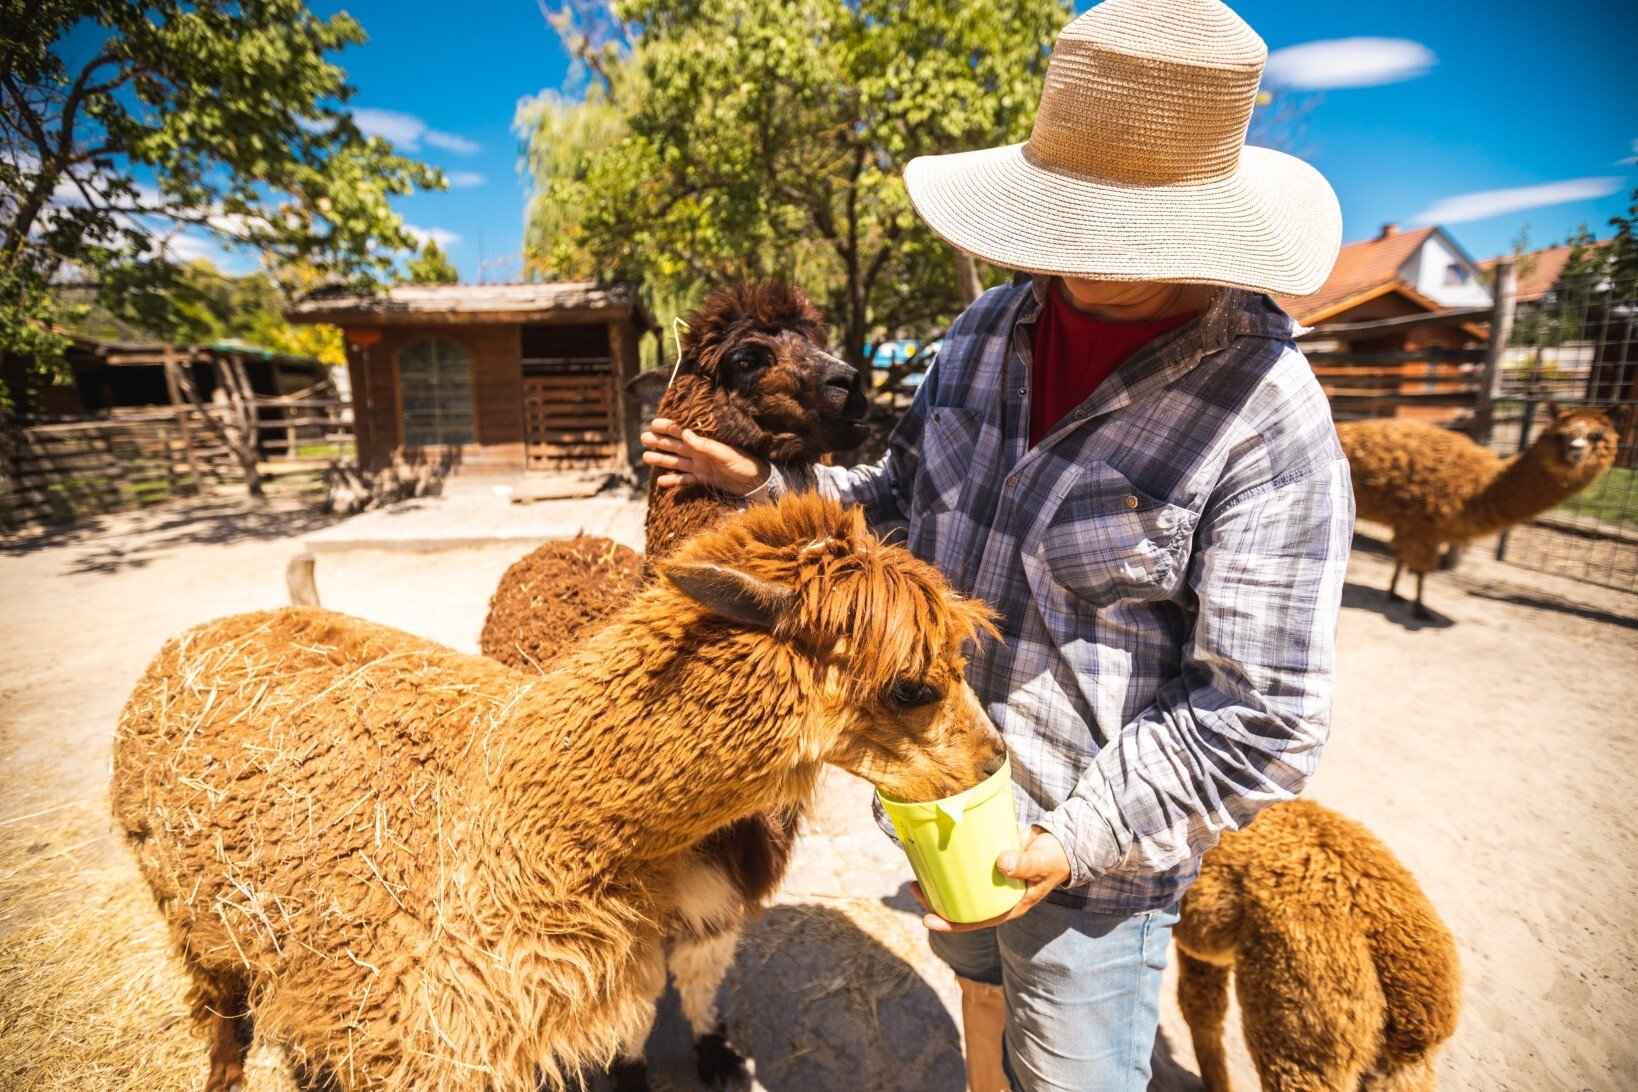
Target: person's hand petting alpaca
[(687, 458)]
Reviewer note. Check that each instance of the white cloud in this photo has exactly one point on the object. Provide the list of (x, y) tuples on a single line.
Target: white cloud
[(1487, 203), (408, 131), (442, 236), (1348, 62), (464, 180), (451, 142), (1631, 160)]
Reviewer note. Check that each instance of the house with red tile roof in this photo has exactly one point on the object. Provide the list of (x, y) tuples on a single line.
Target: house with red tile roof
[(1538, 270), (1396, 273)]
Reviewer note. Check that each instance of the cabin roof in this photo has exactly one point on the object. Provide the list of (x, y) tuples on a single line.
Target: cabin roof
[(551, 303)]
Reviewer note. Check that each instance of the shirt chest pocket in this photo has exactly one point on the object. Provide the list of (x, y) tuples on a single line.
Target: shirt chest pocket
[(1109, 542), (949, 440)]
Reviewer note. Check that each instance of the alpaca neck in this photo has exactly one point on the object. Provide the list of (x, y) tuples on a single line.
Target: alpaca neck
[(1524, 486), (653, 737)]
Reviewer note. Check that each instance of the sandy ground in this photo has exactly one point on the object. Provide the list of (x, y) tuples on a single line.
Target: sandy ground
[(1496, 750)]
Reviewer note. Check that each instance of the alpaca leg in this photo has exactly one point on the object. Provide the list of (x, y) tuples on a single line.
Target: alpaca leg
[(1418, 1076), (629, 1073), (699, 964), (219, 1008), (1393, 585), (1419, 611), (1311, 1006), (1202, 993)]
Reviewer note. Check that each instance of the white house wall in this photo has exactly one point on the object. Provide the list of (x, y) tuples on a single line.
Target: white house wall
[(1425, 271)]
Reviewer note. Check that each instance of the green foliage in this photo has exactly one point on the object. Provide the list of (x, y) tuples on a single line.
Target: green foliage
[(195, 304), (221, 117), (431, 266), (761, 138)]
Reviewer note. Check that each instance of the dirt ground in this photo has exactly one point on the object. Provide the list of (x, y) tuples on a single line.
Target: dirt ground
[(1495, 749)]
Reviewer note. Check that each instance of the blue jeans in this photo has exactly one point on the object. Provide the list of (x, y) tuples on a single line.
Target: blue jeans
[(1082, 993)]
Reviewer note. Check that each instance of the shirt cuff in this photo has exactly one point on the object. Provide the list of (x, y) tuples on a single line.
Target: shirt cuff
[(1087, 840)]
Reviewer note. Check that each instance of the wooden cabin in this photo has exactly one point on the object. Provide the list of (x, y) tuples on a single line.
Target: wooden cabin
[(1394, 330), (106, 377), (506, 378)]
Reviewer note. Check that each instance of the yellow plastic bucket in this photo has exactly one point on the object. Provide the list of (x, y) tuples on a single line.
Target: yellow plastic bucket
[(953, 843)]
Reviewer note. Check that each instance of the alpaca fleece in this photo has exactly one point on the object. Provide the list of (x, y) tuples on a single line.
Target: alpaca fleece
[(773, 418), (1434, 486), (1346, 977), (574, 585), (423, 870)]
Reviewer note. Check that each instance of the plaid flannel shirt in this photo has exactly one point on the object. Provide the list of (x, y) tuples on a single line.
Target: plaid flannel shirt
[(1168, 564)]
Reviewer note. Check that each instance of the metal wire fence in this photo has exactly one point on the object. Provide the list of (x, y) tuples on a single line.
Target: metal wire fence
[(1576, 346)]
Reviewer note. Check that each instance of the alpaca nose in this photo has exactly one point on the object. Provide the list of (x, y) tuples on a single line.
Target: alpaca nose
[(994, 762), (842, 376)]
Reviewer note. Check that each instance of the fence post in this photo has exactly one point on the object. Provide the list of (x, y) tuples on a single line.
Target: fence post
[(1501, 331), (174, 386)]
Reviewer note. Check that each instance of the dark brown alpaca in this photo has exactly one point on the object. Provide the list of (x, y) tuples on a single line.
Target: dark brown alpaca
[(754, 373)]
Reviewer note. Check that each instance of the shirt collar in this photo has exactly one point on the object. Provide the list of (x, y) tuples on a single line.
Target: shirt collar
[(1232, 313)]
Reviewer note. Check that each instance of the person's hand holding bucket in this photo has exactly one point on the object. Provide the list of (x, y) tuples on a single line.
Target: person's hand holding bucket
[(971, 870)]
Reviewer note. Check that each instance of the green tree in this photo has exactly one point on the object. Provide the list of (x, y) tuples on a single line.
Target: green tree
[(225, 119), (761, 138), (431, 266)]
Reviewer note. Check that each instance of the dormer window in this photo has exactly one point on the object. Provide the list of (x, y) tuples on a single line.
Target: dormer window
[(1456, 275)]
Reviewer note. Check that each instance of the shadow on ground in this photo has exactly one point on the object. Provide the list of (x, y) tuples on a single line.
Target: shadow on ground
[(127, 540), (1397, 611), (820, 1004), (1554, 603)]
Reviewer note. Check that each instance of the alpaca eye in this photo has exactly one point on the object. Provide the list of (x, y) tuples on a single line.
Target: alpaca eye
[(908, 694), (750, 360), (1596, 437)]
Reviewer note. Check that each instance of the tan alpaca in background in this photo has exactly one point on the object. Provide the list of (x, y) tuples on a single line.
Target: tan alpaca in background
[(1346, 977), (1435, 487)]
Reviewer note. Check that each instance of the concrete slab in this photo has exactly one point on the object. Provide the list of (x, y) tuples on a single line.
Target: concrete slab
[(479, 518)]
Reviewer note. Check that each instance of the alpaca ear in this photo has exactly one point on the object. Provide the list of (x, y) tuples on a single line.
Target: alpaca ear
[(650, 385), (1553, 409), (732, 594)]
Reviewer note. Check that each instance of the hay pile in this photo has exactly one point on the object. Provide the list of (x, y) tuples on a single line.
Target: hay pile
[(90, 995), (555, 596), (866, 953)]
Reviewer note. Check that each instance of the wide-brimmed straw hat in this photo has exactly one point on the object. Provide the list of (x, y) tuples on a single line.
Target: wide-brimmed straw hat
[(1137, 168)]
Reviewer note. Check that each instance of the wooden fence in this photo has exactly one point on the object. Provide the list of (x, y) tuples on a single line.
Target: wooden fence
[(59, 471)]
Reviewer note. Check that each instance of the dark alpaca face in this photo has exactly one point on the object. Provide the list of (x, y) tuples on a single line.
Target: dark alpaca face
[(1583, 440), (775, 389)]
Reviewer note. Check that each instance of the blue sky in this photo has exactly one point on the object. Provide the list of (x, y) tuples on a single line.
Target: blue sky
[(1465, 98)]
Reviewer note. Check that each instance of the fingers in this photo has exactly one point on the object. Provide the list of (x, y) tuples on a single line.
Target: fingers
[(1027, 864), (662, 443), (915, 889), (667, 480), (1032, 895)]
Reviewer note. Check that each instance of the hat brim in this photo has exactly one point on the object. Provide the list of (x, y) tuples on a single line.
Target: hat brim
[(1272, 226)]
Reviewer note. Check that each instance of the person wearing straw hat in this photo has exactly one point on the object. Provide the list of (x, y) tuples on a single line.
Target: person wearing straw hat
[(1124, 452)]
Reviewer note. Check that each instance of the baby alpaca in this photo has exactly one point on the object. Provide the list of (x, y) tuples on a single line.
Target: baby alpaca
[(1346, 977), (1436, 487)]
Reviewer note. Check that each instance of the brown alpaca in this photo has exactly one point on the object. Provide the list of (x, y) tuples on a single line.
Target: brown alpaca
[(421, 870), (754, 373), (1435, 487), (1347, 979), (551, 598)]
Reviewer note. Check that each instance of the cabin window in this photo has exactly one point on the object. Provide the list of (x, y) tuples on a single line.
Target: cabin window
[(435, 386)]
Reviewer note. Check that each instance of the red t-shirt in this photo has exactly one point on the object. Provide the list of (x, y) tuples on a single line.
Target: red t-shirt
[(1074, 352)]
